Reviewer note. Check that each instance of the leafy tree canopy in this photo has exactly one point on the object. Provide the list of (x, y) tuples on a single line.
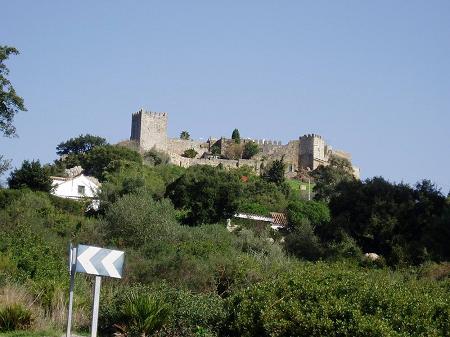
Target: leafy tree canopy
[(403, 224), (207, 194), (31, 175), (315, 212), (102, 159), (10, 102), (80, 144), (275, 173), (250, 149)]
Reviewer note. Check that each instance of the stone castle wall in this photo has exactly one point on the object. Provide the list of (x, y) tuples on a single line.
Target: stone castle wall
[(149, 129), (178, 146), (226, 163)]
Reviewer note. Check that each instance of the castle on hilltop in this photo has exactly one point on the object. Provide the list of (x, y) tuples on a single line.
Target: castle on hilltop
[(149, 130)]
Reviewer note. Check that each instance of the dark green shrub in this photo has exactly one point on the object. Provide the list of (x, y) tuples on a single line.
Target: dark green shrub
[(303, 243), (250, 149), (135, 219), (190, 153), (7, 196), (67, 205)]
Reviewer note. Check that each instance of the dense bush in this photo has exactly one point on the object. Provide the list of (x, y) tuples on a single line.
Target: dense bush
[(339, 300), (136, 219)]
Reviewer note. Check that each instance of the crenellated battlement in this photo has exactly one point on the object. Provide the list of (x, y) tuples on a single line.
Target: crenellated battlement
[(311, 136), (149, 113), (264, 141)]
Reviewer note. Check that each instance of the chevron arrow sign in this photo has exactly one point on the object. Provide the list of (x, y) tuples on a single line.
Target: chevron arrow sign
[(99, 261)]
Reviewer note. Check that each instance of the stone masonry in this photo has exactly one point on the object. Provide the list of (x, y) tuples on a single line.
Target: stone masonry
[(149, 130)]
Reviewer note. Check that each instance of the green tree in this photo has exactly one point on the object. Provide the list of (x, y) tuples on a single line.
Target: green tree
[(401, 223), (185, 135), (31, 175), (264, 193), (216, 149), (80, 144), (190, 153), (250, 149), (10, 102), (102, 159), (236, 136), (130, 177), (208, 194), (275, 173), (316, 212), (328, 177)]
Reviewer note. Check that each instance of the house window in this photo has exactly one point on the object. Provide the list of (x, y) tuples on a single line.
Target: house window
[(81, 189)]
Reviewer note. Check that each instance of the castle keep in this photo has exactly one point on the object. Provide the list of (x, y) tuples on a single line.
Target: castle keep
[(149, 130)]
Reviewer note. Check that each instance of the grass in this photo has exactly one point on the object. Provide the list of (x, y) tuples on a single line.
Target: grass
[(45, 333), (297, 185), (41, 333)]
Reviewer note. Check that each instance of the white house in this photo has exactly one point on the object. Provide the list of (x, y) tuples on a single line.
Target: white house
[(76, 186)]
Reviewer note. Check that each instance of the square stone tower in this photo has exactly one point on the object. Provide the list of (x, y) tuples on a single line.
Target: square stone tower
[(149, 129), (313, 152)]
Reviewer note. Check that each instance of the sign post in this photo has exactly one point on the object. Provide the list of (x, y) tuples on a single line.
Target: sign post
[(72, 261), (95, 261), (96, 301)]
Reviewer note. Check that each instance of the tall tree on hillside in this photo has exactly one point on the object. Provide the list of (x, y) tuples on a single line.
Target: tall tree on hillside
[(275, 173), (10, 102), (80, 144), (206, 193), (31, 175), (236, 136)]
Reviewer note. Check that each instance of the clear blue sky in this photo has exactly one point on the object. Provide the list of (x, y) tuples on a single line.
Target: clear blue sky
[(372, 77)]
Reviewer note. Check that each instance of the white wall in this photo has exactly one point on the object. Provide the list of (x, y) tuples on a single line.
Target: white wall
[(69, 188)]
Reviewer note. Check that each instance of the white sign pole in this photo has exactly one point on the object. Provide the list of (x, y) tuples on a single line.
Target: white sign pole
[(72, 263), (98, 280)]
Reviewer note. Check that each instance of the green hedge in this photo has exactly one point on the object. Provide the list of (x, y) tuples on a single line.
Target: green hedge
[(340, 300)]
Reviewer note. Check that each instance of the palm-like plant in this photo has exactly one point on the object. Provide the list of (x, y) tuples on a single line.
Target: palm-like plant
[(143, 315), (185, 135)]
